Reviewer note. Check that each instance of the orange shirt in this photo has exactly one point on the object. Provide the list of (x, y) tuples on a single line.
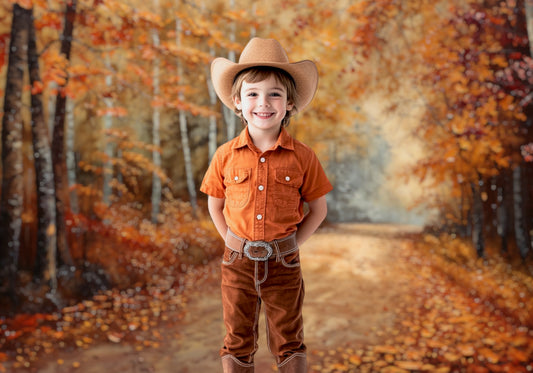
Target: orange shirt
[(265, 192)]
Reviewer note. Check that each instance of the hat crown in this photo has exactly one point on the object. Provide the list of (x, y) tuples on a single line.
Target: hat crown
[(263, 50)]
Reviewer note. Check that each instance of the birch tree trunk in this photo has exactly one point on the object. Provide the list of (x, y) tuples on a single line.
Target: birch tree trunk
[(477, 221), (212, 135), (51, 110), (529, 21), (521, 235), (184, 133), (45, 265), (503, 212), (229, 116), (253, 30), (12, 168), (156, 140), (58, 145), (71, 157), (108, 122)]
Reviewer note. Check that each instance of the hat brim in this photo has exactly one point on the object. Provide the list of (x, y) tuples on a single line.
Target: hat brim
[(304, 73)]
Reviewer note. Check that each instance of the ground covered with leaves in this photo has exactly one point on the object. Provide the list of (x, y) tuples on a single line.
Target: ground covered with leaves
[(142, 318), (433, 307), (462, 315)]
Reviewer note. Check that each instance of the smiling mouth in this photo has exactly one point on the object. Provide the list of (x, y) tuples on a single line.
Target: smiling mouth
[(264, 115)]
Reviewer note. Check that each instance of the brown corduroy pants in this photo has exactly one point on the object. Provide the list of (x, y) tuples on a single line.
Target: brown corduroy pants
[(276, 284)]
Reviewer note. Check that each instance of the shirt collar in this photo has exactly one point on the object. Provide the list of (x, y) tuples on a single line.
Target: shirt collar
[(284, 140)]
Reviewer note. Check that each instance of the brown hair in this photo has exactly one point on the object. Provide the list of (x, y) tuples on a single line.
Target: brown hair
[(260, 73)]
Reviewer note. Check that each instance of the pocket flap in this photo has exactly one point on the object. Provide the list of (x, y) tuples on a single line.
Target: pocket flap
[(289, 177), (236, 176)]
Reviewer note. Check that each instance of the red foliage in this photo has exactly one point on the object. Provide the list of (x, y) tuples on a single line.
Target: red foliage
[(4, 39), (527, 152)]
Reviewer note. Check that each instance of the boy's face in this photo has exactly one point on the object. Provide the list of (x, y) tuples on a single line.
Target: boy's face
[(263, 104)]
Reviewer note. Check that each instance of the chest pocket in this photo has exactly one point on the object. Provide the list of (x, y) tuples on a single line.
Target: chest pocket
[(237, 182), (287, 194)]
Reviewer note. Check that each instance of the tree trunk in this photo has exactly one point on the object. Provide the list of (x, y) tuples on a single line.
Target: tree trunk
[(229, 116), (156, 140), (184, 133), (51, 109), (503, 212), (529, 20), (521, 235), (188, 161), (212, 138), (465, 216), (45, 265), (58, 146), (71, 157), (12, 170), (108, 123), (213, 133), (477, 221)]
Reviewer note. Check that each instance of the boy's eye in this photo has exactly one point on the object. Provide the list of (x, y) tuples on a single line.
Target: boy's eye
[(252, 94), (275, 94)]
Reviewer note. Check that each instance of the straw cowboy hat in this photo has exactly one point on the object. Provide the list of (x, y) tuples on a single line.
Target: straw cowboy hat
[(264, 52)]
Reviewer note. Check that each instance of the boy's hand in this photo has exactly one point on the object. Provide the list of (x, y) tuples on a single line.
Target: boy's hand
[(216, 210), (318, 209)]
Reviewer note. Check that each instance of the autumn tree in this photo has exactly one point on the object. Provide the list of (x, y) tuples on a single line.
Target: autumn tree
[(12, 123), (452, 60), (45, 267), (58, 142)]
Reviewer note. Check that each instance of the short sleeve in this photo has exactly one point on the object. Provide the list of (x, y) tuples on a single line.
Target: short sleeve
[(316, 184), (213, 182)]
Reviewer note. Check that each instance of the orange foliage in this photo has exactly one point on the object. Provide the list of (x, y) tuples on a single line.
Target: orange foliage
[(451, 57), (56, 71), (37, 88), (50, 20), (149, 253), (26, 4), (114, 112)]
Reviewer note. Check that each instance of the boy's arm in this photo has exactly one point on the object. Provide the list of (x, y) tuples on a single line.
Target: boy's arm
[(318, 210), (216, 208)]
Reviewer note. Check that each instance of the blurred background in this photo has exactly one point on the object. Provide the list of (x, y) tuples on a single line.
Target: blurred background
[(422, 117)]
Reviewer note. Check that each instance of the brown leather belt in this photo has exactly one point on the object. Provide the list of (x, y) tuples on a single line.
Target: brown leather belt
[(261, 251)]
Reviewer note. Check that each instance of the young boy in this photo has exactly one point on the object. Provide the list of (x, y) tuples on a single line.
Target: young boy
[(256, 185)]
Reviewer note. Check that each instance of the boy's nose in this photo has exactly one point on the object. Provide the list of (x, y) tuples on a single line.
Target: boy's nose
[(264, 102)]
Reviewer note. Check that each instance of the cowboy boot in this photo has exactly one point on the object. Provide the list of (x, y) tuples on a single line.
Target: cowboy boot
[(230, 364), (296, 363)]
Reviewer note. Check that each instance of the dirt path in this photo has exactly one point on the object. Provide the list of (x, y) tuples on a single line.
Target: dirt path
[(351, 279)]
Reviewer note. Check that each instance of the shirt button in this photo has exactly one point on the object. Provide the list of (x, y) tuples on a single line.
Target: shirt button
[(262, 160), (236, 178), (261, 188), (287, 178), (259, 217)]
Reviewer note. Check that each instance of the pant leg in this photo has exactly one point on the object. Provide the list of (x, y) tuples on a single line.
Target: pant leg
[(282, 294), (241, 306)]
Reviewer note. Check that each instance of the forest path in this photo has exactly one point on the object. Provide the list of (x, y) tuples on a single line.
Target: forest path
[(352, 276)]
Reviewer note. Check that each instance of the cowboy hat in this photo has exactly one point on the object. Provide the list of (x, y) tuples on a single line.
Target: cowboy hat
[(264, 52)]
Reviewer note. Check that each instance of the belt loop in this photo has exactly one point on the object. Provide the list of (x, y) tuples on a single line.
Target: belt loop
[(241, 247), (278, 252)]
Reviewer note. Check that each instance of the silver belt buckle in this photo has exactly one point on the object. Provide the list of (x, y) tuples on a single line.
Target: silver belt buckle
[(262, 244)]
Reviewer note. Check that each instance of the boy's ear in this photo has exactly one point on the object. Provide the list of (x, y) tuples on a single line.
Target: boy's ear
[(237, 102)]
